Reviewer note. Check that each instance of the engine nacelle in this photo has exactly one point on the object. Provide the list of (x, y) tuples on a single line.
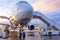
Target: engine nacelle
[(31, 27)]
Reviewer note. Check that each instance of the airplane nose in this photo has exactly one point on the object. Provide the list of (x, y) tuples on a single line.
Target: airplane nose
[(23, 12)]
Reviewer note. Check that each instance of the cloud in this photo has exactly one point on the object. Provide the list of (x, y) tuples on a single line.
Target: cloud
[(55, 15), (6, 7), (54, 2), (50, 8), (46, 5)]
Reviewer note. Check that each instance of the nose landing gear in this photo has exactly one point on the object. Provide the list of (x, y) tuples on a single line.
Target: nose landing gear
[(22, 35)]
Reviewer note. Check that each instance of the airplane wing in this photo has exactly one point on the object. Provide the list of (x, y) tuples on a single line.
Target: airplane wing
[(5, 20), (5, 23)]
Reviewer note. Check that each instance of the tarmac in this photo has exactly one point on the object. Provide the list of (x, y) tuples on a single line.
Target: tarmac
[(34, 36)]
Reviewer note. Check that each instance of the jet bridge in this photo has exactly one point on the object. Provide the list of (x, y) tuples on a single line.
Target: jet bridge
[(46, 20)]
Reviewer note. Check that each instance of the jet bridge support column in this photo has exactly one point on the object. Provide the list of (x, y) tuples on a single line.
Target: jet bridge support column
[(49, 27)]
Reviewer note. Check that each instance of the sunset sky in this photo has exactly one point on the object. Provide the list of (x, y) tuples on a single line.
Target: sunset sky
[(50, 8)]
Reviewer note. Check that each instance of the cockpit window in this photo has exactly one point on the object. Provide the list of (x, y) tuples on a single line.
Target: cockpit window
[(23, 2)]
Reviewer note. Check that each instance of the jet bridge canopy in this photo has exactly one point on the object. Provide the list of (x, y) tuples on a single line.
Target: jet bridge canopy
[(45, 20)]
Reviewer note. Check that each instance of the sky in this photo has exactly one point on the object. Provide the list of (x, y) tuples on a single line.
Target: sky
[(50, 8)]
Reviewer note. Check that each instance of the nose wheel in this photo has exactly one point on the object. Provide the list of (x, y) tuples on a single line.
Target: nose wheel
[(22, 35)]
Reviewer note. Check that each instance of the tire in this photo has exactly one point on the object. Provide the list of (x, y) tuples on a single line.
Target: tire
[(20, 35), (23, 34)]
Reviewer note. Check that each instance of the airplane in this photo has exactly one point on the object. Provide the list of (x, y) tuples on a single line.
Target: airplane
[(23, 13)]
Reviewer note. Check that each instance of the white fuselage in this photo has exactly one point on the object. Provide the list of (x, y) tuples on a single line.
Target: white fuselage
[(23, 12)]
